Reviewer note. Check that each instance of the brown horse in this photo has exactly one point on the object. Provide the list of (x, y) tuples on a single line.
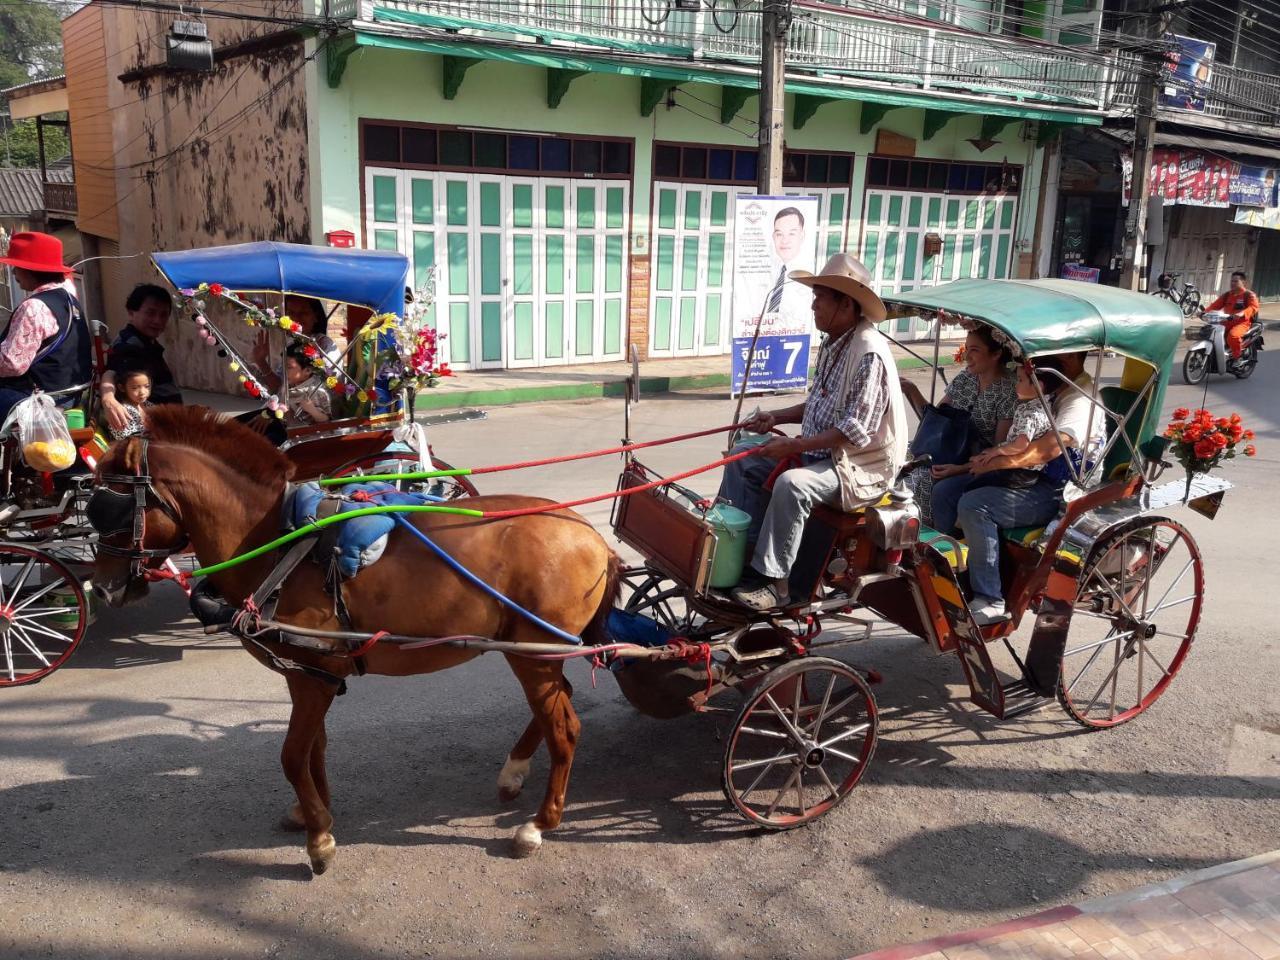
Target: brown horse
[(222, 485)]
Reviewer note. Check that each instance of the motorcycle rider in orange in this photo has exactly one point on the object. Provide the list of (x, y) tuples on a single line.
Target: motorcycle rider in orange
[(1242, 305)]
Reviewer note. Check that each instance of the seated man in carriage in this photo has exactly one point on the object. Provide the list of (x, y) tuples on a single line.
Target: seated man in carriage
[(853, 437)]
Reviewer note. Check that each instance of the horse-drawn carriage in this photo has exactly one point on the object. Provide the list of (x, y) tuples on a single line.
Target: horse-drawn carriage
[(48, 546), (1112, 587)]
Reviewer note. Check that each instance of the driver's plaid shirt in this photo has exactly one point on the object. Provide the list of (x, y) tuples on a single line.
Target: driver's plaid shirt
[(857, 415)]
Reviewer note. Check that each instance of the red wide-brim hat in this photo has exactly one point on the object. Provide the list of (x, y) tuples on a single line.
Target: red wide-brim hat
[(36, 251)]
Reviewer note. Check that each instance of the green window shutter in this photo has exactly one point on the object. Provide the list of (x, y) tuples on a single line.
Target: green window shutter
[(423, 198), (385, 208), (456, 201)]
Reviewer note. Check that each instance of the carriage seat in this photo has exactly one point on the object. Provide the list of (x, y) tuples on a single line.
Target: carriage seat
[(1022, 536)]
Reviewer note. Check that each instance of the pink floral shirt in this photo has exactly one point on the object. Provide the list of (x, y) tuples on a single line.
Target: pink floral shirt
[(32, 324)]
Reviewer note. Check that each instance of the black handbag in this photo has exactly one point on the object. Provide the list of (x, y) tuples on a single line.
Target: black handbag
[(946, 434)]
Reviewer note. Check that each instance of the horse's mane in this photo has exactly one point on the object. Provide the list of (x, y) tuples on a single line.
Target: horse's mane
[(222, 438)]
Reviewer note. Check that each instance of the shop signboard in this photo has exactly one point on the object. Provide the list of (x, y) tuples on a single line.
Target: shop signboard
[(772, 236), (1188, 72), (1187, 177), (1267, 219), (1074, 271)]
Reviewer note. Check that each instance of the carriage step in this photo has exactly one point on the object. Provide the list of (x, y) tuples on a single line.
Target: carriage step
[(1020, 699)]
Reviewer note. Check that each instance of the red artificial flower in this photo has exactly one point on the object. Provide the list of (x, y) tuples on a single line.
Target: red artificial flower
[(1250, 450), (1205, 449), (310, 352), (216, 289), (1235, 418), (1248, 434), (1193, 433), (1181, 413), (1219, 440), (1223, 423), (1236, 432)]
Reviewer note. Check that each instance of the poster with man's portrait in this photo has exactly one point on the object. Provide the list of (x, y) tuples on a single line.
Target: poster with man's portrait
[(772, 237)]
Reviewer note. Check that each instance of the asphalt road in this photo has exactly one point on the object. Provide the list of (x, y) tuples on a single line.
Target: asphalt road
[(140, 785)]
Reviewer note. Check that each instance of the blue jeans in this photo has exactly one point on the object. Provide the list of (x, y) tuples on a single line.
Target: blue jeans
[(946, 501), (984, 511), (777, 520)]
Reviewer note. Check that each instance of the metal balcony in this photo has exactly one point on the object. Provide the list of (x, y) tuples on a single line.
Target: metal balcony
[(1236, 95), (60, 198), (851, 43)]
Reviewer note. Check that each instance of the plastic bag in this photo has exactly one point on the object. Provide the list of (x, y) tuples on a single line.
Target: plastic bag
[(43, 436)]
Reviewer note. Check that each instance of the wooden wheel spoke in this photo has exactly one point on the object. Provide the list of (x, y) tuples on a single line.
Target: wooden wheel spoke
[(800, 790), (763, 773), (1108, 679), (822, 710), (764, 762), (1176, 580), (795, 774), (840, 737), (8, 658), (1146, 650), (775, 734), (43, 591), (842, 755), (28, 643), (26, 624), (1097, 643), (835, 794), (790, 727)]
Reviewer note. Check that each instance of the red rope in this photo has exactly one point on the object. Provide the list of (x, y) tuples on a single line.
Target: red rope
[(598, 453), (547, 508), (368, 645)]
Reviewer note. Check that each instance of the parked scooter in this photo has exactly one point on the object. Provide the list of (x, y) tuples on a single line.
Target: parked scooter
[(1208, 354)]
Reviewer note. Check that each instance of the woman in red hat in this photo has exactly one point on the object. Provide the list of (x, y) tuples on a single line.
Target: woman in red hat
[(46, 344)]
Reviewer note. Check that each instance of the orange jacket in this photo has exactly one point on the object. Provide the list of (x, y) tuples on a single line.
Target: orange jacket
[(1242, 306)]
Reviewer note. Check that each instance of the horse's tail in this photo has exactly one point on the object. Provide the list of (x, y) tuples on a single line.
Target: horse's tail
[(596, 633)]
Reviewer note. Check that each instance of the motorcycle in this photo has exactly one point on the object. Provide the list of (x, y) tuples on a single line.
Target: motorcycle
[(1208, 351)]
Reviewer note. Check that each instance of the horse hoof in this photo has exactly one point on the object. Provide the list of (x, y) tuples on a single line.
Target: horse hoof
[(511, 779), (291, 820), (322, 854), (526, 841)]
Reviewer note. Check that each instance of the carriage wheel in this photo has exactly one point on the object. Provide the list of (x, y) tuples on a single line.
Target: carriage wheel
[(800, 743), (660, 598), (1135, 616), (448, 488), (43, 614)]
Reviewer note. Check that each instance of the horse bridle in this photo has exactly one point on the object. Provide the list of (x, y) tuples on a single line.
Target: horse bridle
[(111, 513)]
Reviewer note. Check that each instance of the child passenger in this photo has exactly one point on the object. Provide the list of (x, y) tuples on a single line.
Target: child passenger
[(136, 385)]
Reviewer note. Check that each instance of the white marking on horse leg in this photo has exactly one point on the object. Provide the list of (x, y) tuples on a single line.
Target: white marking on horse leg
[(527, 840), (513, 774)]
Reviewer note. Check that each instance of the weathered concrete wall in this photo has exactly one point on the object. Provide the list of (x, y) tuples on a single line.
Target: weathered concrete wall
[(206, 158)]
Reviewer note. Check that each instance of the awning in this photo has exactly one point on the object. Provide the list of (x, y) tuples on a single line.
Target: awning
[(1242, 152), (650, 65), (37, 98)]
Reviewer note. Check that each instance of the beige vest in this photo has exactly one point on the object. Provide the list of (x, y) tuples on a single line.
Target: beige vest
[(866, 474)]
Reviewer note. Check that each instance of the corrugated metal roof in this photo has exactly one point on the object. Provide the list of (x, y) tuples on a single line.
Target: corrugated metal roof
[(50, 83), (21, 191)]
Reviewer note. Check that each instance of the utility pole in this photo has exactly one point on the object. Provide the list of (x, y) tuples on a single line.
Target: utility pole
[(1144, 145), (775, 23)]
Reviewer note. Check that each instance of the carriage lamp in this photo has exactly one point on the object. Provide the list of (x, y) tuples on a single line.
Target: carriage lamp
[(894, 526)]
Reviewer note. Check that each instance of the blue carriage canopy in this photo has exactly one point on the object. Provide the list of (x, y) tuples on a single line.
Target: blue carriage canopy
[(376, 279)]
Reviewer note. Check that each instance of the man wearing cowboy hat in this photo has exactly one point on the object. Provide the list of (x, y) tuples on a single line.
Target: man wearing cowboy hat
[(46, 345), (853, 435)]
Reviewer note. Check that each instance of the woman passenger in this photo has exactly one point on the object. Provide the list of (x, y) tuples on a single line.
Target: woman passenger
[(987, 390)]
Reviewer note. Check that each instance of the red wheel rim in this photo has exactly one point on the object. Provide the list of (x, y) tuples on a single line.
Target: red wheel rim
[(780, 773), (1136, 613), (33, 640)]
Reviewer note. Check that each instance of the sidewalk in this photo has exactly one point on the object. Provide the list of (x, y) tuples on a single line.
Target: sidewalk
[(1228, 912), (487, 388)]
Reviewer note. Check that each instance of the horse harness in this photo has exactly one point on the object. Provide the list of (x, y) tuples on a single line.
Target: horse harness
[(112, 513)]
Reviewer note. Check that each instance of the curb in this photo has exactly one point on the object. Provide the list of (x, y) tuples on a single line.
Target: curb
[(591, 390), (1107, 904)]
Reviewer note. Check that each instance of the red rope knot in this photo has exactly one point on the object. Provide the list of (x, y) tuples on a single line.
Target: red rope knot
[(597, 663), (696, 653), (361, 496), (368, 645), (705, 504)]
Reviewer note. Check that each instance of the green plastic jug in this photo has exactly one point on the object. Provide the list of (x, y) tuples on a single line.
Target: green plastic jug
[(730, 526)]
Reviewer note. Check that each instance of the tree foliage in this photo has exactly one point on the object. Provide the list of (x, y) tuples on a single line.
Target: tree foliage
[(30, 40), (19, 146)]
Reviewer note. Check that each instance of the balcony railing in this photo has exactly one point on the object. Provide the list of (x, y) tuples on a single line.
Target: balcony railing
[(840, 41), (1233, 94), (60, 198)]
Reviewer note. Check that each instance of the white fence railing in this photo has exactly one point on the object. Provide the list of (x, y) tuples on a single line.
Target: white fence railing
[(859, 42), (1233, 94)]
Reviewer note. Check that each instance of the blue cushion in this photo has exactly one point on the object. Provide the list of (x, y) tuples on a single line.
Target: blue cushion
[(362, 539)]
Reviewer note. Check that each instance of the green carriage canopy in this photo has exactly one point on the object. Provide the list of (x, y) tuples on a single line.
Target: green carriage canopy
[(1060, 316)]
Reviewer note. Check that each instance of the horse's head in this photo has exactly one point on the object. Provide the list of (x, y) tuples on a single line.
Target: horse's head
[(138, 525)]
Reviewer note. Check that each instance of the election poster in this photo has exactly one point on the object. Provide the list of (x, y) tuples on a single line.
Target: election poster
[(773, 236), (1188, 70), (1074, 271)]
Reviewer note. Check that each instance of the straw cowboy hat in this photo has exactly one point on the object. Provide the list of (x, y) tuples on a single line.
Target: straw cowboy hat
[(846, 275), (36, 251)]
